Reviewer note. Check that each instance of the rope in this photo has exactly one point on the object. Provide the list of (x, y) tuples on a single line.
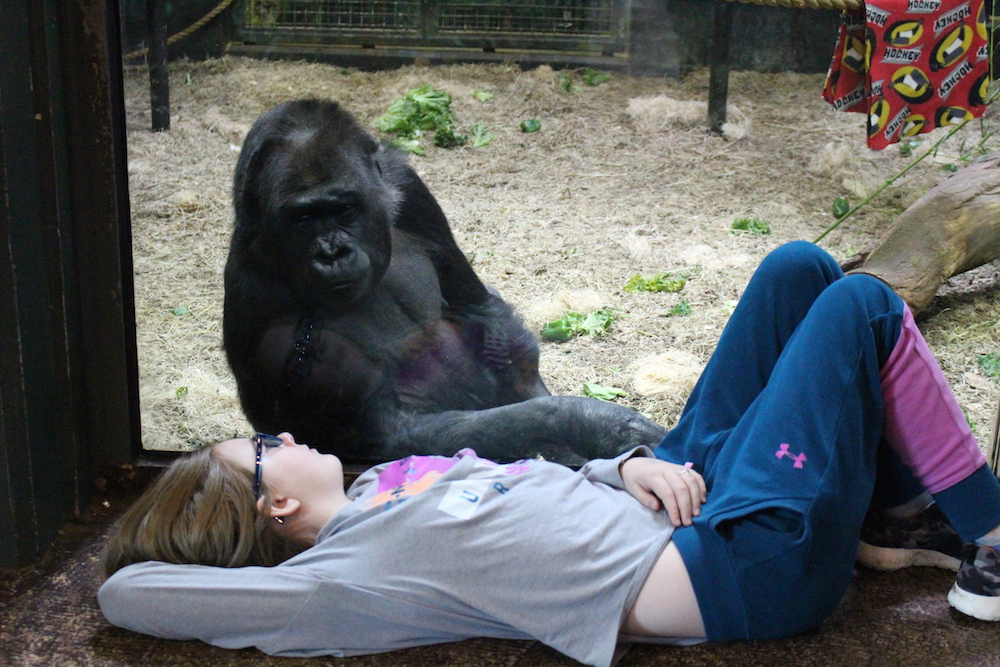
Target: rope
[(842, 5), (219, 8)]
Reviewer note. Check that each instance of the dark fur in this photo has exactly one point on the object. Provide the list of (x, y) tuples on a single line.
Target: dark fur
[(353, 320)]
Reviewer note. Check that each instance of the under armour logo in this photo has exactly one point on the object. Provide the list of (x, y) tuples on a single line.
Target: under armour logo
[(783, 451)]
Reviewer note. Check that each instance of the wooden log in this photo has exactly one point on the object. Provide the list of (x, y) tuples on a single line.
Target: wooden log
[(953, 228)]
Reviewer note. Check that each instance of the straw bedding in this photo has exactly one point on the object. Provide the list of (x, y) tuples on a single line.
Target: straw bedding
[(622, 179)]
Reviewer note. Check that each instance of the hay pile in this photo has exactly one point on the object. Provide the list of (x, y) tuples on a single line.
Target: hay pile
[(622, 179)]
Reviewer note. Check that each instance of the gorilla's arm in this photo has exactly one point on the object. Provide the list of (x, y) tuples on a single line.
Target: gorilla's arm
[(567, 429)]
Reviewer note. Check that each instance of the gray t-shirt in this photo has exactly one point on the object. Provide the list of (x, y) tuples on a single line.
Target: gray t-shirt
[(433, 549)]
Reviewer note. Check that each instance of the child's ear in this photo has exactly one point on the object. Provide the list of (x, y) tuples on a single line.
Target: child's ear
[(280, 506)]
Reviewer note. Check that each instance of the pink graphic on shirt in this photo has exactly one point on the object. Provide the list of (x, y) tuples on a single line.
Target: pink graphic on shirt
[(412, 468), (397, 494), (517, 467), (798, 458), (415, 474)]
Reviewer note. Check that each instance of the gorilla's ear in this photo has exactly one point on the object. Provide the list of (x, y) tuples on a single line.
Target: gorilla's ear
[(248, 196), (391, 161), (267, 135)]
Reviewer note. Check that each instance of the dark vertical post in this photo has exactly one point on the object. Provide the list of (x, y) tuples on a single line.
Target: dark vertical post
[(26, 368), (68, 372), (159, 82), (718, 59), (102, 228)]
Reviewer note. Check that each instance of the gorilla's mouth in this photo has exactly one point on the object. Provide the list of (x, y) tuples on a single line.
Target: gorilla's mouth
[(338, 253)]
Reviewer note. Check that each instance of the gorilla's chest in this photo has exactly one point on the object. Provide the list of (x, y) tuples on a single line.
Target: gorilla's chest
[(403, 305), (417, 350)]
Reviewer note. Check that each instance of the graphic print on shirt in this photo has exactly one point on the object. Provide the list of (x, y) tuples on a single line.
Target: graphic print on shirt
[(408, 477), (405, 472), (408, 489), (465, 496)]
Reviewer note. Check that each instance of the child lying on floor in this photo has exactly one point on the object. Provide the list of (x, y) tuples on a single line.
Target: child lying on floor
[(744, 521)]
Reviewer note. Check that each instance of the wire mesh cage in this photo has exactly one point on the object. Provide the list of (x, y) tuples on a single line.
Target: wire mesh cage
[(387, 15), (567, 17), (527, 23)]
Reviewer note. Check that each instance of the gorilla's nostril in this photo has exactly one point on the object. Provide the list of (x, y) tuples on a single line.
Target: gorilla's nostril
[(327, 250)]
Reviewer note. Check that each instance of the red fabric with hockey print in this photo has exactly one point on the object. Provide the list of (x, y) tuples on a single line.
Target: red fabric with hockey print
[(911, 65)]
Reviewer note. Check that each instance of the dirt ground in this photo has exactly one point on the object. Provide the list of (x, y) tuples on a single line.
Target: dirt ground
[(622, 179)]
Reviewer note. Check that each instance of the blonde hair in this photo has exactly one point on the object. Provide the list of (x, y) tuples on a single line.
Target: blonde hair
[(200, 510)]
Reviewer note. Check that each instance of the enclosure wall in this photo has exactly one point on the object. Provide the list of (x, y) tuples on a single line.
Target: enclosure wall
[(68, 378)]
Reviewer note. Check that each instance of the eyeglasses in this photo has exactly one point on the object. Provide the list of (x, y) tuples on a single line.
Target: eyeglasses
[(262, 441)]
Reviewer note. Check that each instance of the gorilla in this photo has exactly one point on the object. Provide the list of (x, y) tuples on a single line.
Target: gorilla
[(353, 320)]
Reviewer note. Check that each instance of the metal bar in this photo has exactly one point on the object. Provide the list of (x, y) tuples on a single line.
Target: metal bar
[(394, 56), (718, 58), (159, 81), (444, 40)]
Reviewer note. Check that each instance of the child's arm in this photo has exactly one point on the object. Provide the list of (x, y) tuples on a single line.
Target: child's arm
[(227, 607)]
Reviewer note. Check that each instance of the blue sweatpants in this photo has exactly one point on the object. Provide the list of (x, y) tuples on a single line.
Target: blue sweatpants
[(785, 425)]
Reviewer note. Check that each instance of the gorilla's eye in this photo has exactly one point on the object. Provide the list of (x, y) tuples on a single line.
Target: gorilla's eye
[(340, 209), (343, 207)]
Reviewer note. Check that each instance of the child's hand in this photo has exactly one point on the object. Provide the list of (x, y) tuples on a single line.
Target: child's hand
[(655, 483)]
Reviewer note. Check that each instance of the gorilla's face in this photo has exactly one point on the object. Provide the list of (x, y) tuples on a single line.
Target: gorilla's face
[(326, 210), (334, 215)]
